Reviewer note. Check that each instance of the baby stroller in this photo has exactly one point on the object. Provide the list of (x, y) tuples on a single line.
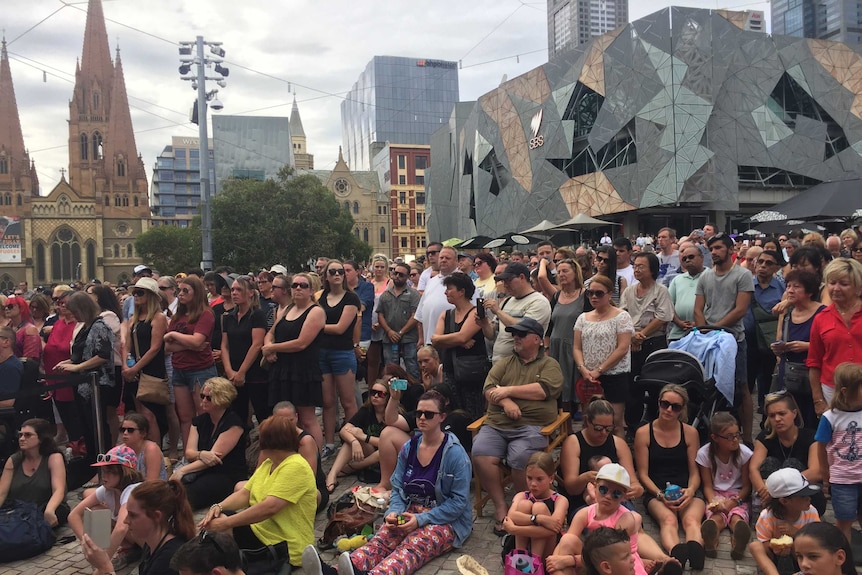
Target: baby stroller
[(667, 366)]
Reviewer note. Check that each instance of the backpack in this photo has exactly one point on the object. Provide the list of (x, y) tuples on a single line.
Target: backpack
[(24, 533)]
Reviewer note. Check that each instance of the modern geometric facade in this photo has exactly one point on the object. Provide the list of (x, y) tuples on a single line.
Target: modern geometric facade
[(250, 147), (682, 113), (397, 100), (175, 193), (573, 22), (836, 20)]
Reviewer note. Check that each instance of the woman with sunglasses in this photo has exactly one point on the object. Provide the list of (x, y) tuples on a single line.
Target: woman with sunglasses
[(415, 273), (429, 511), (243, 330), (134, 430), (188, 340), (27, 341), (337, 350), (145, 343), (360, 437), (665, 452), (58, 348), (216, 447), (40, 309), (292, 348), (606, 265), (168, 289), (784, 442), (37, 473), (601, 349)]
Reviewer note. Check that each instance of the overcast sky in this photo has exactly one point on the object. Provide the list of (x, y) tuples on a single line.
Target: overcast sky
[(315, 48)]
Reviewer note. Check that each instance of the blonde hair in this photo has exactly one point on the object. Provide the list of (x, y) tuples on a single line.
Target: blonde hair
[(849, 233), (848, 384), (814, 239), (222, 391), (844, 267)]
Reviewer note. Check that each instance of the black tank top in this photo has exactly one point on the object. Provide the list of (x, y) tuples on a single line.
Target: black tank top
[(142, 331), (607, 449), (668, 464)]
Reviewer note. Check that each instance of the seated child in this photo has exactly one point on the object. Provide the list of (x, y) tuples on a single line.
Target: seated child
[(537, 516), (608, 552), (788, 510)]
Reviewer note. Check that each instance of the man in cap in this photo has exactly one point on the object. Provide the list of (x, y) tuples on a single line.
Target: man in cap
[(522, 391), (524, 302)]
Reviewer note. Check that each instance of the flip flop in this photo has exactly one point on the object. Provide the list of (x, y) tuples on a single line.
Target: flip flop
[(331, 487)]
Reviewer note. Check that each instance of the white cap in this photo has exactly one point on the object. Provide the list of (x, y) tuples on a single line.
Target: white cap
[(278, 269), (140, 269), (615, 473), (788, 482)]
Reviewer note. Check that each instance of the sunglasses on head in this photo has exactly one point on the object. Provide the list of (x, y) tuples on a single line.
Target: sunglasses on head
[(595, 293), (665, 404), (616, 493), (299, 285), (422, 414), (104, 458), (335, 271)]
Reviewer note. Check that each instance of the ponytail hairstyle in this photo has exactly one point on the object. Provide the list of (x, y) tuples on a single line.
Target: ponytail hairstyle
[(168, 498), (719, 422)]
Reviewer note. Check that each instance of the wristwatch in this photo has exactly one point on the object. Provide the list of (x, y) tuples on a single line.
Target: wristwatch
[(534, 520)]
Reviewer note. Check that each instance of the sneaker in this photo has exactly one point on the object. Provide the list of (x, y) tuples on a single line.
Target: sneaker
[(709, 531), (318, 411), (126, 557), (327, 452), (311, 564), (739, 540), (345, 565)]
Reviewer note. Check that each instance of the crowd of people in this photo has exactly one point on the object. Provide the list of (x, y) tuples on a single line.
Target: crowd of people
[(395, 362)]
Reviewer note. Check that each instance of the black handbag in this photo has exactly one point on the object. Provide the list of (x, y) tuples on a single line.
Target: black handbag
[(24, 533), (268, 560), (466, 368)]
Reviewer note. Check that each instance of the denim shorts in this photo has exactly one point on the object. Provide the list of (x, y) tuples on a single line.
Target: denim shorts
[(846, 501), (337, 361), (193, 378)]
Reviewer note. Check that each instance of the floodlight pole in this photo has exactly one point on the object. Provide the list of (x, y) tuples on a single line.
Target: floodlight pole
[(206, 208)]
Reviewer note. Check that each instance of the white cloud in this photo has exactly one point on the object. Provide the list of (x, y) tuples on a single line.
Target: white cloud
[(320, 47)]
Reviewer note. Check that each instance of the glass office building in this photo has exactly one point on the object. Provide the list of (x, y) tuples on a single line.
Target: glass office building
[(398, 100), (175, 193)]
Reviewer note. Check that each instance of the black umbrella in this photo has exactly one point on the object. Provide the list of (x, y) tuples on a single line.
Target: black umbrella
[(475, 242), (841, 199), (513, 239)]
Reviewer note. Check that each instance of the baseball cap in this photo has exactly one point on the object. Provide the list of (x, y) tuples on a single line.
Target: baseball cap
[(278, 269), (141, 269), (465, 255), (513, 270), (788, 482), (119, 455), (527, 325), (615, 473)]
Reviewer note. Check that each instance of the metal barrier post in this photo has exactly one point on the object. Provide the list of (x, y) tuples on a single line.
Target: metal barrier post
[(97, 407)]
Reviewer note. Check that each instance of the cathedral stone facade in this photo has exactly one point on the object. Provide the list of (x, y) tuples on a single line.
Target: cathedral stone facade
[(85, 227)]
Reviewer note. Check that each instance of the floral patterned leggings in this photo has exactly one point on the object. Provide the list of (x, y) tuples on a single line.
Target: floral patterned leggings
[(391, 552)]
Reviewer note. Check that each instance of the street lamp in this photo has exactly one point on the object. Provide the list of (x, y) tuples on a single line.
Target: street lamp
[(198, 83)]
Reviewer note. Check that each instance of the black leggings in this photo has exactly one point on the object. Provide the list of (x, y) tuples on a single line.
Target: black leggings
[(212, 486), (258, 393)]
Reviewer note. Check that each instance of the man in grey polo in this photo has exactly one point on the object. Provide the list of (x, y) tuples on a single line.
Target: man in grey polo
[(522, 391), (395, 310)]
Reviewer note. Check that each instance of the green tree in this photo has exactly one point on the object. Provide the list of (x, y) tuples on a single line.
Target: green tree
[(287, 221), (171, 249)]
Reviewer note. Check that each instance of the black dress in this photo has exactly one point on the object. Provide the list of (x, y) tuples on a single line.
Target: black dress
[(469, 393), (214, 484), (142, 333), (296, 377)]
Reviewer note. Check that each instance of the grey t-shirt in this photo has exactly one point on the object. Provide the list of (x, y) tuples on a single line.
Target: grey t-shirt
[(720, 291)]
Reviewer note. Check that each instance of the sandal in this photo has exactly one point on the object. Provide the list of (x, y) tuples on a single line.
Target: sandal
[(331, 487), (498, 529)]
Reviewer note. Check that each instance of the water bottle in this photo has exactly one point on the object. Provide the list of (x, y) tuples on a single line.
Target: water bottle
[(672, 492), (130, 361)]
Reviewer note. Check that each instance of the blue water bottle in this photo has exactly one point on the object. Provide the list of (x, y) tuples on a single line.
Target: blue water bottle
[(672, 492), (130, 361)]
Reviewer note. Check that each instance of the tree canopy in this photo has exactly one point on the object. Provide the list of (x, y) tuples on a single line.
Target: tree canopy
[(288, 221), (171, 249)]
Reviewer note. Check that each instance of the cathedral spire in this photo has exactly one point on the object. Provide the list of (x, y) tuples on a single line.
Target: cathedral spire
[(295, 121), (96, 57), (119, 144), (11, 137)]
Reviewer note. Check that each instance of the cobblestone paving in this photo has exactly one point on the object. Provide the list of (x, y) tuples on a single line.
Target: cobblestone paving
[(483, 545)]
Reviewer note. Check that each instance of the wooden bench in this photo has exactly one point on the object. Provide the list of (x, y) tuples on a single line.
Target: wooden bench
[(555, 432)]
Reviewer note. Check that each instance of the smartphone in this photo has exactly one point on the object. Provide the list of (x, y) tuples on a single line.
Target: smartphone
[(97, 524), (399, 384), (480, 307)]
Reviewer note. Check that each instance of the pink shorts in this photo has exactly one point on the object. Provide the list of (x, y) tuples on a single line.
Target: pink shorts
[(740, 510)]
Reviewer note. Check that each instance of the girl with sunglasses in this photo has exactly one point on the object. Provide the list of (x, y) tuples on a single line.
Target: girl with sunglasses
[(360, 437), (429, 512), (602, 347), (606, 265), (292, 347), (338, 349), (723, 464), (134, 430), (665, 452)]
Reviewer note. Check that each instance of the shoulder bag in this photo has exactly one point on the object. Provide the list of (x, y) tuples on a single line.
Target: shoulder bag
[(151, 389), (466, 368), (796, 379)]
